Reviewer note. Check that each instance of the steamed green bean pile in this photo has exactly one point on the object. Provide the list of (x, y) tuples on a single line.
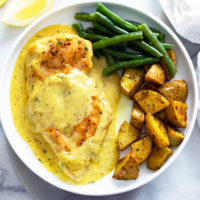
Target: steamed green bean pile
[(113, 37)]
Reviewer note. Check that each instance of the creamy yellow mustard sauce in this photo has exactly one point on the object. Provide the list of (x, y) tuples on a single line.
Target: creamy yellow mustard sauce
[(108, 155)]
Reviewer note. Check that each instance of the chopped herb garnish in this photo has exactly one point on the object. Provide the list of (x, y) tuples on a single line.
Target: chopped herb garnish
[(59, 43), (67, 39), (35, 99), (79, 41), (86, 48)]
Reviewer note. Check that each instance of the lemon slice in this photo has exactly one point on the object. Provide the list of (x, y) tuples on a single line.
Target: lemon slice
[(2, 2), (23, 12)]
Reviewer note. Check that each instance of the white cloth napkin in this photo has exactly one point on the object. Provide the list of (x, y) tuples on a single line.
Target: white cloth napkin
[(184, 15)]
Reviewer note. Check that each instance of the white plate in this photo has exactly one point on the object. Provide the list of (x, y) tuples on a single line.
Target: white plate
[(64, 15)]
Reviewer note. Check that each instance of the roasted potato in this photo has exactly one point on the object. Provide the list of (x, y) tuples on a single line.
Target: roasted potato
[(141, 149), (157, 130), (176, 114), (126, 135), (158, 157), (149, 86), (168, 74), (176, 90), (137, 116), (161, 115), (127, 168), (131, 81), (155, 74), (151, 101), (175, 136)]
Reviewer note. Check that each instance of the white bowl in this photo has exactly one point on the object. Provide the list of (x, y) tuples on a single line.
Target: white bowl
[(64, 15)]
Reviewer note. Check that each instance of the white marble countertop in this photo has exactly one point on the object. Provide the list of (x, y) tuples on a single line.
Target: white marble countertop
[(180, 181)]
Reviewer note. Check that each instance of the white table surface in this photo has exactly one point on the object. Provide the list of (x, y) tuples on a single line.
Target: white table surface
[(181, 181)]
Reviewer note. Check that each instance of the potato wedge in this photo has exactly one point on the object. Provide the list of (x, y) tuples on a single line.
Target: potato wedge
[(157, 131), (142, 149), (137, 116), (127, 168), (131, 81), (176, 114), (176, 90), (151, 101), (158, 157), (168, 75), (161, 115), (126, 135), (175, 136), (155, 74)]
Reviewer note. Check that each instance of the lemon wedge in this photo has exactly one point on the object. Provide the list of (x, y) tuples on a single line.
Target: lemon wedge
[(2, 2), (23, 12)]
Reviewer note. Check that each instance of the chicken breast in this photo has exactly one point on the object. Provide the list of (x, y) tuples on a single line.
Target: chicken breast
[(65, 105), (52, 55)]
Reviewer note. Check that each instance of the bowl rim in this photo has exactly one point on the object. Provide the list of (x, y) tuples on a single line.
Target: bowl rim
[(171, 33)]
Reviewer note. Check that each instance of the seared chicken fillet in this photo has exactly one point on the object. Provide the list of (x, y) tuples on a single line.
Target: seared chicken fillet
[(65, 105), (57, 54)]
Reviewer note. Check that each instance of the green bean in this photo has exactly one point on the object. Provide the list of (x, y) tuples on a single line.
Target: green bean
[(161, 36), (147, 48), (91, 30), (89, 36), (103, 29), (116, 19), (122, 55), (142, 44), (155, 42), (83, 16), (108, 23), (109, 59), (97, 16), (117, 39), (129, 64), (167, 46), (156, 34)]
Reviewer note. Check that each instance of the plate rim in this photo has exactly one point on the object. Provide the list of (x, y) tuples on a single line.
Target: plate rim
[(172, 34)]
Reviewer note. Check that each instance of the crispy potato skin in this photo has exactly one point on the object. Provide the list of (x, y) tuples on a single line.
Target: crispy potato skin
[(127, 168), (176, 90), (137, 116), (175, 136), (126, 135), (158, 157), (157, 131), (142, 149), (151, 101), (155, 74), (131, 81), (176, 114), (168, 75)]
